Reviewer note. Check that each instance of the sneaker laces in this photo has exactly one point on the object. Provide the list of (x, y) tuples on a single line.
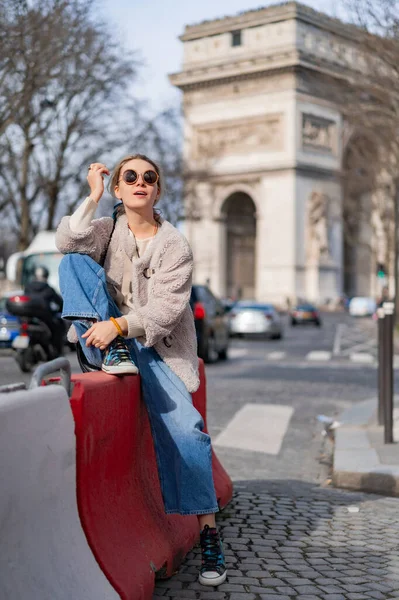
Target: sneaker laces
[(212, 557), (118, 350)]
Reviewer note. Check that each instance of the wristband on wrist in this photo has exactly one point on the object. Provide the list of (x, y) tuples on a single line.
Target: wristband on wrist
[(118, 327)]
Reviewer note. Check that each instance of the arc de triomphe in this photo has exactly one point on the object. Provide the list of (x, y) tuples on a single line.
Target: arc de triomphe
[(264, 195)]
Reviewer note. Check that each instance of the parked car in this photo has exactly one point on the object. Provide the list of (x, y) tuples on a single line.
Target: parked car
[(211, 324), (250, 317), (360, 306), (304, 314), (9, 324)]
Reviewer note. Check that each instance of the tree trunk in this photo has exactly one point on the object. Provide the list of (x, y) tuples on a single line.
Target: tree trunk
[(52, 203), (24, 232)]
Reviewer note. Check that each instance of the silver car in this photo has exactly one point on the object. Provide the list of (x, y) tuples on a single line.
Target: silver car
[(246, 318)]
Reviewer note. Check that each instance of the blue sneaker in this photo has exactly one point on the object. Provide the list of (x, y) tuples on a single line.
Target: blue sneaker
[(213, 568), (117, 359)]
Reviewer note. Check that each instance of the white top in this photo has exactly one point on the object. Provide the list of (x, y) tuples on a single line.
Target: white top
[(79, 221)]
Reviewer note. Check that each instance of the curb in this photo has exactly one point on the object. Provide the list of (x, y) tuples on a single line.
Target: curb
[(357, 465)]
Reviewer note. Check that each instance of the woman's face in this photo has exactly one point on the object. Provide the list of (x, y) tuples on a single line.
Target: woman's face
[(137, 195)]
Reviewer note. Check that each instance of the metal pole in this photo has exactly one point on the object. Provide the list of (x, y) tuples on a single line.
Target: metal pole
[(389, 309), (381, 361), (396, 250)]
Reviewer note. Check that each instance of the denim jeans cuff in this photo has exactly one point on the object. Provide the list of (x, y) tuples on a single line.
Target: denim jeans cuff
[(176, 511)]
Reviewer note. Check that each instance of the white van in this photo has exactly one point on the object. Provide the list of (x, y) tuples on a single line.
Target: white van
[(41, 252), (362, 307)]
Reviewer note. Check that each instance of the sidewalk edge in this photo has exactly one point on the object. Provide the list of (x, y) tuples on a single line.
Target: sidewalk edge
[(356, 464)]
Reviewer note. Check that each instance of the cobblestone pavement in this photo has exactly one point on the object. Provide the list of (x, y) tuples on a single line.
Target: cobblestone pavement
[(287, 534), (299, 541)]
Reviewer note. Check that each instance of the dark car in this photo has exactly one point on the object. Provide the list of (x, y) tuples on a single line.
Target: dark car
[(211, 324), (9, 324), (305, 313)]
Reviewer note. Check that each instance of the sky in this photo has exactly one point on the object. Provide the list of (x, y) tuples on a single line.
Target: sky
[(152, 28)]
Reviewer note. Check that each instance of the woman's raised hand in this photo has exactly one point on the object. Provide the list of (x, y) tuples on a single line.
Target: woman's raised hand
[(95, 180)]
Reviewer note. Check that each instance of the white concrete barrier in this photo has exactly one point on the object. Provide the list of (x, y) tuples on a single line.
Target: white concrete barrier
[(44, 554)]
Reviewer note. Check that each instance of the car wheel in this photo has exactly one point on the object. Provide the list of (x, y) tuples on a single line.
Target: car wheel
[(210, 354), (223, 354), (277, 336), (293, 323), (318, 323)]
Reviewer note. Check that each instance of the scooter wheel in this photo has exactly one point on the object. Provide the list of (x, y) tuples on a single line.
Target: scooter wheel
[(25, 360)]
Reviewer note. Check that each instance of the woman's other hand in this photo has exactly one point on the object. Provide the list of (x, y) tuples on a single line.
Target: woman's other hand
[(95, 180), (100, 334)]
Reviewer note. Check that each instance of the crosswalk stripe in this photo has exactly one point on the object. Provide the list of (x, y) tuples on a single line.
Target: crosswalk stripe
[(362, 357), (238, 352), (315, 356), (257, 428), (321, 355), (276, 355)]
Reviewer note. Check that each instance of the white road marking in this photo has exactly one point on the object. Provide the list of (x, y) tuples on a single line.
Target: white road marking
[(276, 355), (238, 352), (337, 339), (257, 427), (321, 355), (362, 357)]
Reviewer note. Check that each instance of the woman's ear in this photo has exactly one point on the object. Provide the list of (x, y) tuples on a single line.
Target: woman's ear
[(117, 192)]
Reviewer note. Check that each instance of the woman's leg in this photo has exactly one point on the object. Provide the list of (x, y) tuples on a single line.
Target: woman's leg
[(209, 520), (184, 456), (183, 450), (86, 300)]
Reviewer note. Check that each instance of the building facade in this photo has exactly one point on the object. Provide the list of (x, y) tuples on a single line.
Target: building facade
[(264, 152)]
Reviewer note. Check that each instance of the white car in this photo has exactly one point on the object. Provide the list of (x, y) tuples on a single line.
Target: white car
[(246, 318), (362, 307)]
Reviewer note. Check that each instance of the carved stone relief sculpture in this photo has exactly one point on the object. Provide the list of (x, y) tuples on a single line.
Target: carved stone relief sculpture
[(318, 228), (319, 134), (238, 136)]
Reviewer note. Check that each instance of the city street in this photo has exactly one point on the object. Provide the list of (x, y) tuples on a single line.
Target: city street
[(287, 533)]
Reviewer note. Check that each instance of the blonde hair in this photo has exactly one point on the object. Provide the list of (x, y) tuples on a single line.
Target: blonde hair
[(113, 182)]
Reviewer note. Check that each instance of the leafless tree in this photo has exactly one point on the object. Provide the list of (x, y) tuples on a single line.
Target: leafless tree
[(65, 101), (371, 106)]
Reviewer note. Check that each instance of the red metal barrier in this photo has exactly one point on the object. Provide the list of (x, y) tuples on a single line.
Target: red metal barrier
[(119, 496)]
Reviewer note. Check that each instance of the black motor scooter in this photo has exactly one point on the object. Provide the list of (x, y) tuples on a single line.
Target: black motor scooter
[(34, 342)]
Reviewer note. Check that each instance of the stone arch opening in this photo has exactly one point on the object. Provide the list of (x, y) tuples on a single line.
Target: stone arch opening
[(239, 212), (359, 181)]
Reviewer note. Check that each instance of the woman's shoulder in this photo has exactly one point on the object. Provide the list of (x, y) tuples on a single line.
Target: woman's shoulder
[(170, 237), (172, 232)]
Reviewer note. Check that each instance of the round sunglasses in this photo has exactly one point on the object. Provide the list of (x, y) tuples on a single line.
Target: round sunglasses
[(130, 177)]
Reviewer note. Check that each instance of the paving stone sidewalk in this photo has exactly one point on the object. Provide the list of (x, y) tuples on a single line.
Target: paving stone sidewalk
[(362, 461), (293, 540)]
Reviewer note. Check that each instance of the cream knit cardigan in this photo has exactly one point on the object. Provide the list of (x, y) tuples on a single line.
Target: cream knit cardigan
[(161, 285)]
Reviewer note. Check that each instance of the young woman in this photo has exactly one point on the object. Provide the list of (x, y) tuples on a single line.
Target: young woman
[(133, 315)]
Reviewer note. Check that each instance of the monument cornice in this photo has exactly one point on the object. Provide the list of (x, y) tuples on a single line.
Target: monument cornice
[(255, 175), (207, 76), (270, 14)]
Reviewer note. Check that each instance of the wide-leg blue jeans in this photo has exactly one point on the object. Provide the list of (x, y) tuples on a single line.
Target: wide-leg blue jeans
[(182, 449)]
